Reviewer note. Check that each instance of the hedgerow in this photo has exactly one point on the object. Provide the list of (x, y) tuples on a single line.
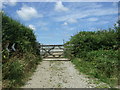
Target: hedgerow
[(19, 63), (98, 52)]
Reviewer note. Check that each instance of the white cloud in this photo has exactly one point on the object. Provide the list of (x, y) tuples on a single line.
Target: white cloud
[(65, 23), (92, 19), (12, 2), (8, 2), (72, 20), (69, 21), (90, 5), (60, 7), (32, 27), (28, 13), (72, 15), (3, 3), (87, 13)]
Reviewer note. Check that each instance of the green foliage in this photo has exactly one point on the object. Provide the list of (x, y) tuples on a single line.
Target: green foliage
[(87, 41), (105, 61), (16, 65), (98, 52), (14, 32), (16, 70), (102, 64)]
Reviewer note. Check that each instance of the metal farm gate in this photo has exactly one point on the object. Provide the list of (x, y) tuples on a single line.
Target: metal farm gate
[(52, 51)]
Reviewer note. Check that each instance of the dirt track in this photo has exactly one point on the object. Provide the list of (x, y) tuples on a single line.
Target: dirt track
[(58, 74)]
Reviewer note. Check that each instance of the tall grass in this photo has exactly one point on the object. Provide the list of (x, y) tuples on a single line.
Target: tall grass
[(100, 64), (17, 70)]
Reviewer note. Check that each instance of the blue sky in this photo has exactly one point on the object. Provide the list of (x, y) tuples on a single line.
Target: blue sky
[(54, 21)]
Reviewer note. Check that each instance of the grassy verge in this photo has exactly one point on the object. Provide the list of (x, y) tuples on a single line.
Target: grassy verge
[(16, 71), (102, 64)]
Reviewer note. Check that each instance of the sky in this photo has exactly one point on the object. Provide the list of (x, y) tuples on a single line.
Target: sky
[(53, 22)]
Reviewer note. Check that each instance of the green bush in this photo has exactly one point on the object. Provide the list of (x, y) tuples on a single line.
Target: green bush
[(102, 64), (16, 65), (89, 41), (96, 53), (16, 70), (15, 32)]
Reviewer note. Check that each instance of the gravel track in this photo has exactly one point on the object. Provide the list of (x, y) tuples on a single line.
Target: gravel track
[(58, 74)]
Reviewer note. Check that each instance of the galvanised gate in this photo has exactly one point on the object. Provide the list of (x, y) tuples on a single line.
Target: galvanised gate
[(52, 51)]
